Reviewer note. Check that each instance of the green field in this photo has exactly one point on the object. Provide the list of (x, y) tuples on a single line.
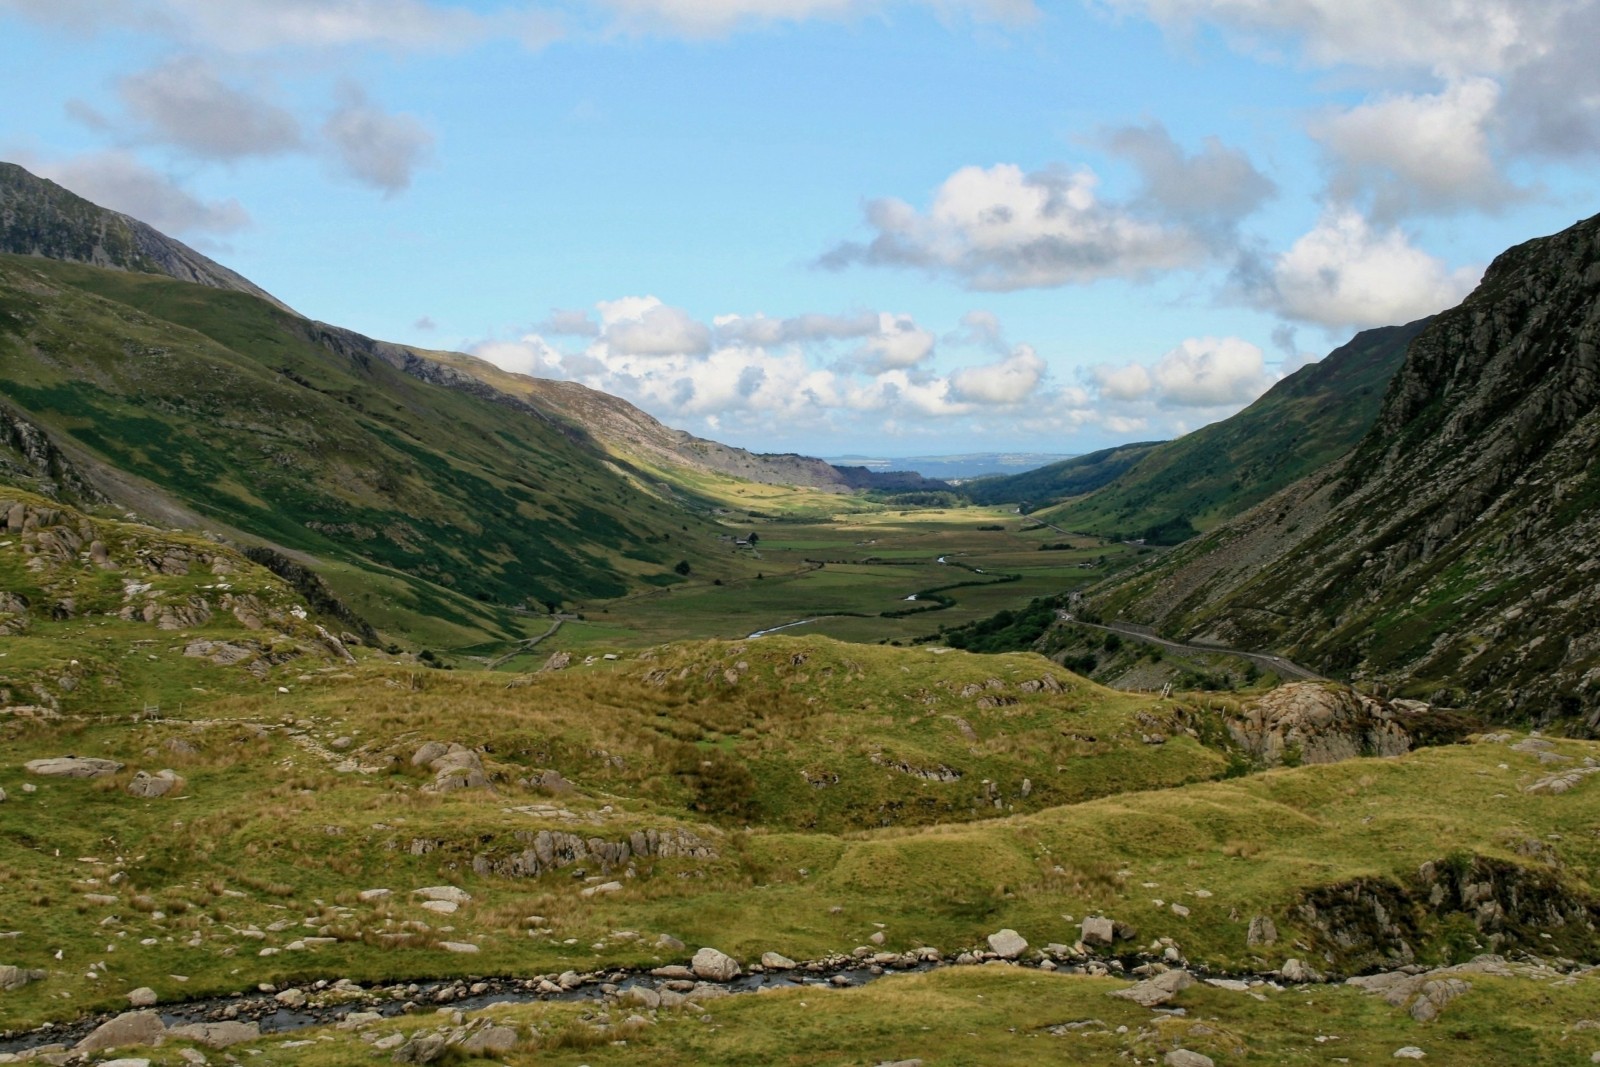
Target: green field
[(845, 573)]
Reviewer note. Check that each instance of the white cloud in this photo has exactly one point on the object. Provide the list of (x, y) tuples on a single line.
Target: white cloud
[(1010, 381), (374, 147), (898, 345), (253, 26), (1002, 229), (1418, 152), (1201, 372), (118, 180), (185, 103), (644, 326), (1345, 273), (712, 18), (759, 329), (1449, 36)]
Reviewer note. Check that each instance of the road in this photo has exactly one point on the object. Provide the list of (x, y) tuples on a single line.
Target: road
[(1284, 668)]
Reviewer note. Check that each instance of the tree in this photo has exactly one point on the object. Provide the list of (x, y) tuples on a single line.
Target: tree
[(683, 567), (754, 537)]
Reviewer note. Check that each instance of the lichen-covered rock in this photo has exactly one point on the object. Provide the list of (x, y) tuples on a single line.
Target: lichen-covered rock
[(72, 767), (1317, 722)]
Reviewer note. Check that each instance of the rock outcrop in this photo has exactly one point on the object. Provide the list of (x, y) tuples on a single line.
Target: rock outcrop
[(1455, 551), (1317, 722)]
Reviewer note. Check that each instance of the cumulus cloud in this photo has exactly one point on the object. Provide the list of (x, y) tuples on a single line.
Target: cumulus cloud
[(569, 322), (185, 103), (765, 373), (1347, 273), (644, 326), (118, 180), (1418, 153), (1212, 189), (1552, 107), (1003, 229), (1010, 381), (711, 18), (1202, 372), (374, 147)]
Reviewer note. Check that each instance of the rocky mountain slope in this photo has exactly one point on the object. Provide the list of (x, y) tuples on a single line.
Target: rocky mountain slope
[(1453, 552), (1307, 420), (40, 218)]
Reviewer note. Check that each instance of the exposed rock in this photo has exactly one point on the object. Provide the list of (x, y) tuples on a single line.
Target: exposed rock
[(450, 893), (143, 997), (714, 966), (1296, 971), (491, 1041), (217, 1034), (1263, 931), (73, 767), (429, 752), (774, 961), (547, 850), (1155, 991), (422, 1048), (14, 977), (129, 1028), (1409, 1052), (1007, 944), (150, 786), (1318, 722), (465, 947), (1097, 931), (559, 661), (1182, 1057), (458, 767)]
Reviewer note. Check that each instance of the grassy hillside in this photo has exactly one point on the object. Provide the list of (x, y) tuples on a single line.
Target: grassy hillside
[(1057, 481), (437, 511), (768, 767), (1307, 420)]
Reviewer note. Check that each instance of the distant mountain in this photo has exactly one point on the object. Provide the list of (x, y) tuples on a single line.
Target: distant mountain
[(1304, 421), (639, 439), (1455, 551), (1058, 481), (970, 465), (434, 503)]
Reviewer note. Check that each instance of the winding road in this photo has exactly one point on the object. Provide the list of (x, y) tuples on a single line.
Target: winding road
[(1284, 668)]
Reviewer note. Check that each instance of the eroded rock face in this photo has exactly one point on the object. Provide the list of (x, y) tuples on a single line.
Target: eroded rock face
[(548, 850), (1318, 722)]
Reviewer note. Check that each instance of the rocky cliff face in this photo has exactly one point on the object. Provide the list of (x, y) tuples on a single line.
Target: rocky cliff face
[(40, 218), (1455, 552)]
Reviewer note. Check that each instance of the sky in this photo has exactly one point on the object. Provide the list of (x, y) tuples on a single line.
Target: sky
[(883, 227)]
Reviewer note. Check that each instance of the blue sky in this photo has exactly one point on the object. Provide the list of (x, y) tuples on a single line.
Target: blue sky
[(884, 226)]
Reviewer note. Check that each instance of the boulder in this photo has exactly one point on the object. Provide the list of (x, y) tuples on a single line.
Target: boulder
[(774, 961), (557, 662), (1155, 991), (1296, 971), (1318, 722), (465, 947), (1182, 1057), (13, 977), (129, 1028), (1007, 944), (217, 1035), (428, 753), (1096, 930), (714, 966), (151, 786), (491, 1041), (1409, 1052), (73, 767), (443, 892), (1263, 931), (458, 768), (143, 997)]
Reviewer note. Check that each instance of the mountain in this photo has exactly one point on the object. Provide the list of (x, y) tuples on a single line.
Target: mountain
[(1453, 552), (436, 505), (40, 218), (638, 439), (1056, 481), (969, 465), (1303, 422)]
